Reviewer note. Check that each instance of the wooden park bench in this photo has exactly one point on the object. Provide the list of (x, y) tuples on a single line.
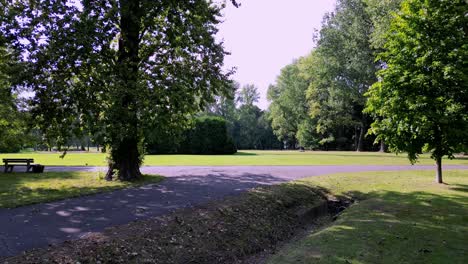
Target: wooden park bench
[(28, 163)]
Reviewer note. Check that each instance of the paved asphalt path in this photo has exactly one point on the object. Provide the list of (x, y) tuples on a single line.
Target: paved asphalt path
[(39, 225)]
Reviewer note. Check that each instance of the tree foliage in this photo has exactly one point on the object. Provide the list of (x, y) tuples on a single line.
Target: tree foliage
[(381, 13), (252, 129), (421, 100), (289, 108), (123, 67), (247, 127), (343, 69), (12, 120)]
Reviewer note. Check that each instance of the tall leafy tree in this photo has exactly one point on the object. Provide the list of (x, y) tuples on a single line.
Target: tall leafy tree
[(225, 104), (344, 69), (421, 100), (247, 124), (248, 114), (248, 95), (266, 138), (122, 66), (289, 107)]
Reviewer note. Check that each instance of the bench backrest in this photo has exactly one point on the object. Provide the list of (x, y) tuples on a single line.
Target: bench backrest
[(17, 160)]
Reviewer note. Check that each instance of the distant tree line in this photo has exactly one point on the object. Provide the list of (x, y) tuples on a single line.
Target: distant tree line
[(230, 122), (317, 101), (383, 74)]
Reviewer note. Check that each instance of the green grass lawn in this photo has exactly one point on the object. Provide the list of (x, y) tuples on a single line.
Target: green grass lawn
[(241, 158), (402, 217), (17, 189)]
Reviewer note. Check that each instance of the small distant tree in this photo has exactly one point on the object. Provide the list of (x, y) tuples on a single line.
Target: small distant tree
[(421, 100), (248, 95)]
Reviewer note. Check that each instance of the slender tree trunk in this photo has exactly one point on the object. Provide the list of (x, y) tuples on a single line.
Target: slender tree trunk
[(439, 170), (382, 146), (360, 144), (356, 137), (438, 153)]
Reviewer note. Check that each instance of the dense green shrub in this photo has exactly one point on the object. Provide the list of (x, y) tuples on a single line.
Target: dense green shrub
[(208, 135)]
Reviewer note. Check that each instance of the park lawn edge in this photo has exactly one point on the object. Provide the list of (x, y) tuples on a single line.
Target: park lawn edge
[(245, 158)]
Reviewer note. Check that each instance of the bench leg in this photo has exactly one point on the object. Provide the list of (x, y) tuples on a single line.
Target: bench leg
[(11, 167)]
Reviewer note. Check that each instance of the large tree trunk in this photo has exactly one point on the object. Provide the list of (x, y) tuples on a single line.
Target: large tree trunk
[(125, 161), (439, 170), (125, 135)]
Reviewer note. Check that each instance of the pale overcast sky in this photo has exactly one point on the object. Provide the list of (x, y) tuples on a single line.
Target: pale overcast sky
[(263, 36)]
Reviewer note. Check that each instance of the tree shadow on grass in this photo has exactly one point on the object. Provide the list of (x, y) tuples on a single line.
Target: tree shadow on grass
[(240, 153), (464, 157), (392, 227), (459, 187)]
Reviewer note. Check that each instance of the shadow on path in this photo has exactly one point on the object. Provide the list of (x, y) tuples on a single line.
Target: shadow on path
[(39, 225)]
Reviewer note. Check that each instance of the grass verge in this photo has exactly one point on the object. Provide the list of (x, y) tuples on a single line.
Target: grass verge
[(403, 217), (18, 189), (246, 158)]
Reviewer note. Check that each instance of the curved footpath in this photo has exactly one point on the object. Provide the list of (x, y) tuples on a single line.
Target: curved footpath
[(39, 225)]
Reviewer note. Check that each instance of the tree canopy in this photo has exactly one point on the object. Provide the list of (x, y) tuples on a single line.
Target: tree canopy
[(346, 70), (122, 67), (289, 108), (421, 100)]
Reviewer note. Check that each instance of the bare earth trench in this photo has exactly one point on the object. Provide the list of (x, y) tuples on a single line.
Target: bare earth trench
[(39, 225)]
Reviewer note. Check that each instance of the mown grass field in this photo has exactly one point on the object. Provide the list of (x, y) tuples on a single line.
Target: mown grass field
[(401, 217), (241, 158), (17, 189)]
